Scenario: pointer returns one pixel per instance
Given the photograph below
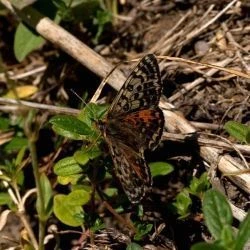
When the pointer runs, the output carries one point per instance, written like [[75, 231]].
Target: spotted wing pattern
[[141, 90], [135, 123], [131, 169]]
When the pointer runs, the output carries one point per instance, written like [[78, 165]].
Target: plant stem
[[31, 133], [41, 212]]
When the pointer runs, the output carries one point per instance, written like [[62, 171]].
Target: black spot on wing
[[142, 88]]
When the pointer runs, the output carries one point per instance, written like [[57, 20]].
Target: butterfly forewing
[[149, 126], [141, 90]]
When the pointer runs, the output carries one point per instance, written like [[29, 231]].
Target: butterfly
[[134, 123]]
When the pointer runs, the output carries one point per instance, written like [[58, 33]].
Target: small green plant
[[92, 13], [218, 218], [80, 170], [197, 188], [239, 131], [14, 159], [86, 169]]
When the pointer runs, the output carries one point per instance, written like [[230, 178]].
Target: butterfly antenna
[[104, 81], [80, 98], [102, 84], [93, 143]]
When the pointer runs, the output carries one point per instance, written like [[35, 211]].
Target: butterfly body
[[134, 123]]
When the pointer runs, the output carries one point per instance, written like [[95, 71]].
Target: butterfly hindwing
[[131, 170]]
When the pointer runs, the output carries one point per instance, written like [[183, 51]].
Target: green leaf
[[20, 156], [67, 166], [78, 197], [81, 157], [89, 153], [4, 123], [63, 10], [19, 178], [92, 112], [47, 196], [111, 191], [71, 215], [199, 185], [142, 230], [238, 130], [5, 199], [243, 235], [25, 41], [97, 225], [207, 246], [71, 127], [85, 187], [227, 238], [17, 143], [93, 151], [183, 203], [102, 18], [217, 212], [73, 179], [133, 246], [160, 168]]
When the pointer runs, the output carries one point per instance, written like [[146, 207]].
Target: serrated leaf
[[217, 212], [67, 166], [21, 92], [237, 130], [25, 41], [243, 235], [160, 168], [69, 214], [70, 126]]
